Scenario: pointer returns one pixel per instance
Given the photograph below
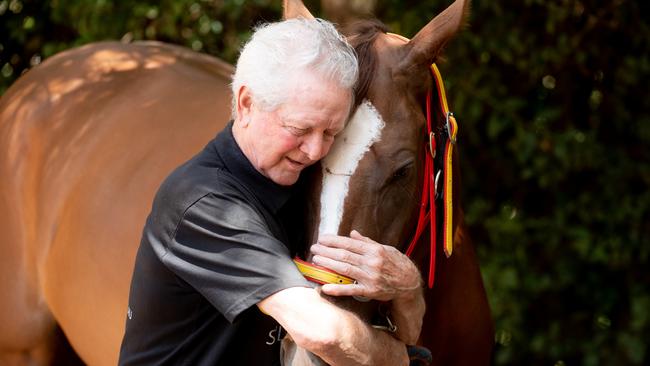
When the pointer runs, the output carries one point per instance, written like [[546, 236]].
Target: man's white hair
[[278, 51]]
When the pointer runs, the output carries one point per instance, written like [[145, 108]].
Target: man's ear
[[295, 9], [244, 106]]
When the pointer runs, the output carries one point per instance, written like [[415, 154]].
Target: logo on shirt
[[276, 335]]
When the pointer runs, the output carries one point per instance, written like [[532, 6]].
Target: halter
[[430, 192], [431, 175], [319, 274], [427, 213]]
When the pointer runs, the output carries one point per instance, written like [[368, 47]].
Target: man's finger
[[358, 236], [341, 255], [353, 245], [343, 290], [342, 268]]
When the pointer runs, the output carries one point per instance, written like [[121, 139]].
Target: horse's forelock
[[362, 35]]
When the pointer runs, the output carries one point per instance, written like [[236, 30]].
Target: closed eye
[[402, 171], [296, 131], [329, 135]]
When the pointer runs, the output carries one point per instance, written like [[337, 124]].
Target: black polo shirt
[[212, 248]]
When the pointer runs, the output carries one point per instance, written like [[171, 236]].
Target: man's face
[[282, 142]]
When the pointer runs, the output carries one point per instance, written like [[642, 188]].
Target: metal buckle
[[436, 184], [390, 327], [451, 137]]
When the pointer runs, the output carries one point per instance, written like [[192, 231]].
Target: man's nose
[[313, 147]]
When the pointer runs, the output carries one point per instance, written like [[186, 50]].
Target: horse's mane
[[361, 36]]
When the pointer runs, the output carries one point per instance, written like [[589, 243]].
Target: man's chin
[[286, 179]]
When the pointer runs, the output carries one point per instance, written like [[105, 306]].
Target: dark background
[[552, 99]]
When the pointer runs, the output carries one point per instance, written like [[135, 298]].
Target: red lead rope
[[428, 200]]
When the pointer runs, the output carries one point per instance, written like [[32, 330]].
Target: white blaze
[[363, 130]]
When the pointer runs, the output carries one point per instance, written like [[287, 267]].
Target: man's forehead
[[333, 124]]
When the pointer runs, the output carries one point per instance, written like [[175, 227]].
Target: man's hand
[[336, 335], [382, 272]]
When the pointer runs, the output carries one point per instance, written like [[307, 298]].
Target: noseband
[[446, 137]]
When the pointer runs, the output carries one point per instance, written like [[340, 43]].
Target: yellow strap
[[320, 274], [452, 130], [441, 89], [448, 206]]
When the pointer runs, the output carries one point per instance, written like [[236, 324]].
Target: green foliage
[[556, 170], [553, 107], [33, 30], [554, 119]]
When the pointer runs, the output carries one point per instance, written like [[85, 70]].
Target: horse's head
[[371, 179]]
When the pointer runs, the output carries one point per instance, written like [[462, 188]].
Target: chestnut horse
[[382, 199], [87, 137]]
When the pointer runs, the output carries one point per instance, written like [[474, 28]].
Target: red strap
[[424, 214], [428, 201], [427, 214], [432, 193]]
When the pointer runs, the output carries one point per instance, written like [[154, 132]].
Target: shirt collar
[[271, 194]]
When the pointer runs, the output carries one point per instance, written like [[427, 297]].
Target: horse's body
[[87, 137]]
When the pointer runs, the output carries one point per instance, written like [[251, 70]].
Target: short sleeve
[[226, 251]]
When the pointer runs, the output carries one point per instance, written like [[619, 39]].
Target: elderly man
[[214, 279]]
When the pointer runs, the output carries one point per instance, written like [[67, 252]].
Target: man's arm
[[382, 273], [336, 335], [407, 312]]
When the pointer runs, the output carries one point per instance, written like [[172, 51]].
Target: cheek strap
[[427, 215]]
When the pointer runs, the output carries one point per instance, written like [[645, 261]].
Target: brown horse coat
[[86, 139]]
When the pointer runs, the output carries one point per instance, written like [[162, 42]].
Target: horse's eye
[[402, 171]]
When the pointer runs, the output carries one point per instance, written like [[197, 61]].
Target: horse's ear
[[295, 9], [426, 45]]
